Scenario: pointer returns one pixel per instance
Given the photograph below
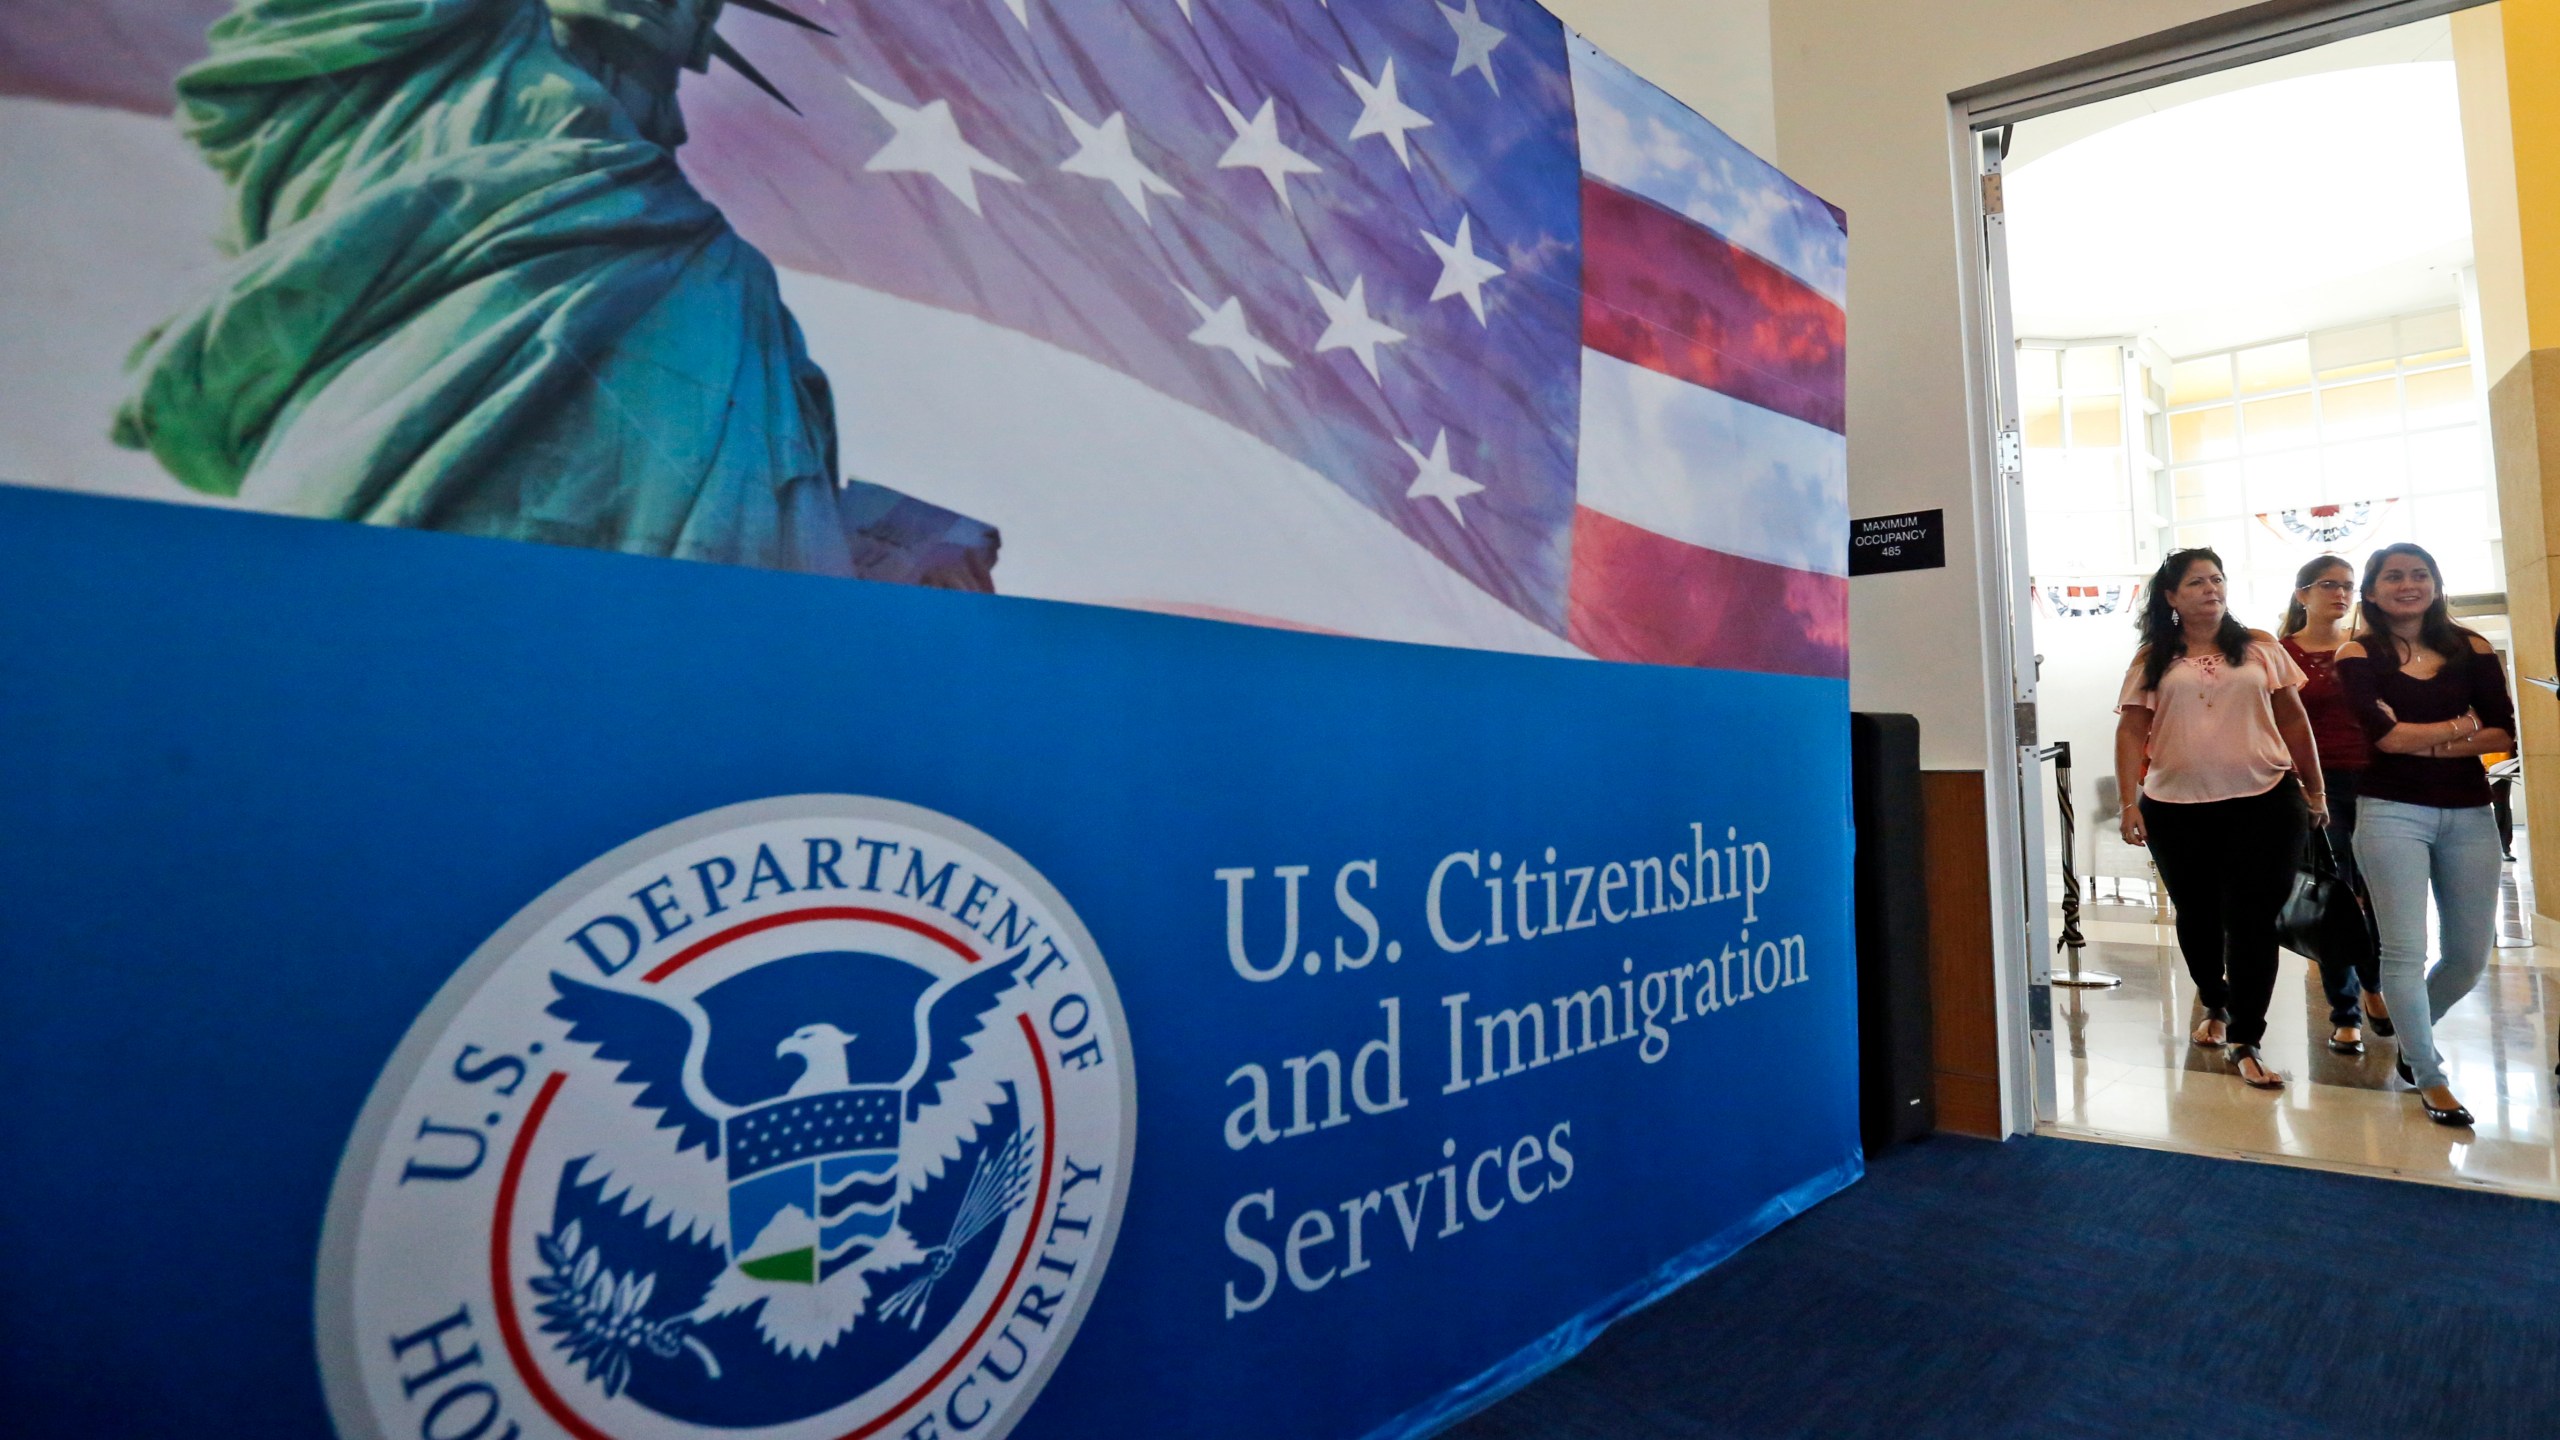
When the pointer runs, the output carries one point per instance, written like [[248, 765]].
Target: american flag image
[[1574, 357]]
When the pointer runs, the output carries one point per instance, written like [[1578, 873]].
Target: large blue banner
[[462, 989]]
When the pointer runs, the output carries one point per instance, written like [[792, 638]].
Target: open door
[[2027, 757]]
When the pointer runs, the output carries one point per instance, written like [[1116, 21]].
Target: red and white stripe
[[1711, 526]]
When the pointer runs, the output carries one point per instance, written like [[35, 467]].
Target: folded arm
[[2481, 731]]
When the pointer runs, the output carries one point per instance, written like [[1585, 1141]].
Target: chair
[[2110, 804]]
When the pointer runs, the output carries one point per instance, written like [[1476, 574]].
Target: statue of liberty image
[[471, 290]]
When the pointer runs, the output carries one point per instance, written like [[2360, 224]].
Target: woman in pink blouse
[[2211, 719]]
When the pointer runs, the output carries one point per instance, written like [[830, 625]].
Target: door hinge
[[2025, 720], [2013, 453], [1991, 196], [2040, 1007]]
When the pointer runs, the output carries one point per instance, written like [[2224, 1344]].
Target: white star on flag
[[927, 142], [1258, 147], [1462, 270], [1476, 40], [1433, 479], [1350, 326], [1224, 328], [1103, 153], [1383, 112]]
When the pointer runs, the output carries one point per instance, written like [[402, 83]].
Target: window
[[2074, 406], [2387, 411]]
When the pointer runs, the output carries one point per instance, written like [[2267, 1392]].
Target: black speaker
[[1896, 1100]]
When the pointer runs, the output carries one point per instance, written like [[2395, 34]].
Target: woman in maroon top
[[2432, 697], [2315, 625]]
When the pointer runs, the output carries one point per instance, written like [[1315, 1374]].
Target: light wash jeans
[[2402, 848]]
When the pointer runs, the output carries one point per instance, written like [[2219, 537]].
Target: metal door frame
[[2014, 787]]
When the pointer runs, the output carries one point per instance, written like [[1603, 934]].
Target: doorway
[[2231, 302]]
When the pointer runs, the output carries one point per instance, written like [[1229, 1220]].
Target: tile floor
[[2128, 1074]]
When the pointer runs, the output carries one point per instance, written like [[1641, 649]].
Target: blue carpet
[[2058, 1288]]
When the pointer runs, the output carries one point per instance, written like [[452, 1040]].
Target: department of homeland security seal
[[809, 1117]]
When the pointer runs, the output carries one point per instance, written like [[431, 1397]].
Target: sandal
[[2344, 1047], [2215, 1036], [2245, 1056]]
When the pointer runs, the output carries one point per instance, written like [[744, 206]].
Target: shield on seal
[[813, 1181]]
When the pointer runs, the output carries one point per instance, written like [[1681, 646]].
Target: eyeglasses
[[2334, 587]]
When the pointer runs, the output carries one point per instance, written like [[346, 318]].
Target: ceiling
[[2320, 189]]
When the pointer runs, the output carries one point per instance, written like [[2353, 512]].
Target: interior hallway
[[2127, 1072]]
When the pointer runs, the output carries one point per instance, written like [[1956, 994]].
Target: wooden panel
[[1968, 1105], [1966, 1043]]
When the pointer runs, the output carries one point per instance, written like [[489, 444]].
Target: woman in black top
[[2432, 697]]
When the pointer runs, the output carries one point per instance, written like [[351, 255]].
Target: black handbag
[[2325, 918]]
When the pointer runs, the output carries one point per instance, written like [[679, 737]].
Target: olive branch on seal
[[596, 1312]]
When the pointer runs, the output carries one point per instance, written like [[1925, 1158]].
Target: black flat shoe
[[2402, 1066], [2457, 1117], [2381, 1025], [2344, 1047]]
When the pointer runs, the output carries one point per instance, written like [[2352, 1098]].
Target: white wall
[[2084, 665], [1712, 54], [1861, 88], [2489, 162]]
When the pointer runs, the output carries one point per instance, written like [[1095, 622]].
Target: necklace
[[2209, 672]]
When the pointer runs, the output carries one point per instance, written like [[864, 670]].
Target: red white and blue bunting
[[2089, 597], [2328, 527]]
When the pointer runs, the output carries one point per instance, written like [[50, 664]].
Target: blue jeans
[[2402, 849]]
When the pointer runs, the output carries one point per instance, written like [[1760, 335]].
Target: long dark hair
[[2164, 639], [2436, 629], [2295, 617]]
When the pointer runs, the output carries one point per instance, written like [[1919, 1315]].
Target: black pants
[[2228, 865], [2347, 985]]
